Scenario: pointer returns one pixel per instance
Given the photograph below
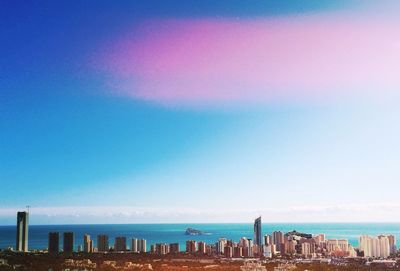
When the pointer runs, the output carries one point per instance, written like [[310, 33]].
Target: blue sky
[[80, 151]]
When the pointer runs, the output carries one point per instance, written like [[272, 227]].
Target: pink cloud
[[207, 60]]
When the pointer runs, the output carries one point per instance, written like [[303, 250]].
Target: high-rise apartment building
[[202, 248], [238, 252], [174, 248], [392, 244], [142, 246], [228, 252], [102, 243], [68, 244], [191, 246], [134, 245], [222, 242], [161, 249], [87, 244], [54, 242], [278, 239], [22, 231], [120, 243], [376, 247], [267, 240], [306, 249]]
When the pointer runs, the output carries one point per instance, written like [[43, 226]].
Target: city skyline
[[274, 244], [163, 113]]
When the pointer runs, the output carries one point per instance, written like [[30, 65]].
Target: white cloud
[[383, 212]]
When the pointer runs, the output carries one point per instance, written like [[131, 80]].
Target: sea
[[175, 233]]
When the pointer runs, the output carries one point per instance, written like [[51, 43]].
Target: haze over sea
[[172, 233]]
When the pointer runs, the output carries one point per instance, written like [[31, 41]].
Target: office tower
[[120, 243], [258, 232], [102, 243], [278, 239], [191, 246], [68, 245], [174, 248], [87, 244], [22, 231], [134, 245], [202, 248], [54, 242]]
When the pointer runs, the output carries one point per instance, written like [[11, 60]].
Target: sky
[[199, 111]]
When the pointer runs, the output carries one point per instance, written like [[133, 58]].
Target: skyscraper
[[87, 244], [392, 243], [202, 248], [278, 239], [142, 246], [68, 245], [258, 232], [102, 243], [120, 243], [22, 231], [191, 246], [174, 248], [54, 242], [134, 245]]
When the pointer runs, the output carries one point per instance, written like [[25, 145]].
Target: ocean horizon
[[175, 232]]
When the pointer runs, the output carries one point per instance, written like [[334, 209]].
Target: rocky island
[[191, 231]]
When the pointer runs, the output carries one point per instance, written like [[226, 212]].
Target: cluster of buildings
[[381, 246], [120, 244], [276, 244]]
